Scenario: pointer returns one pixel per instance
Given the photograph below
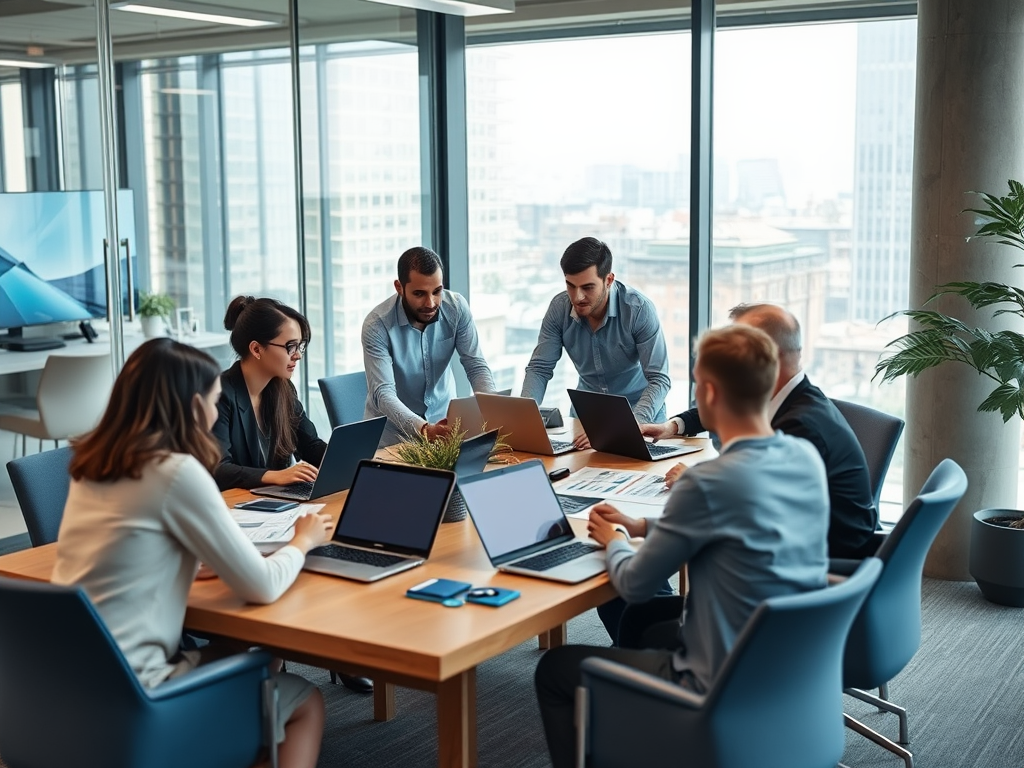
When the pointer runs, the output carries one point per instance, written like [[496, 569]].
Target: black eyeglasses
[[291, 347]]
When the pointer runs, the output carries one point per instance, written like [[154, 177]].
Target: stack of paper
[[270, 531]]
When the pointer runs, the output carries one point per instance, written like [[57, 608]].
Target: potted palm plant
[[442, 453], [154, 309], [997, 535]]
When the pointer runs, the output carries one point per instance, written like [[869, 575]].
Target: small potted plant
[[442, 453], [154, 309], [997, 535]]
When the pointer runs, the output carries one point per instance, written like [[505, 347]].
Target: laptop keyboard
[[561, 445], [661, 450], [571, 504], [300, 491], [360, 556], [548, 560]]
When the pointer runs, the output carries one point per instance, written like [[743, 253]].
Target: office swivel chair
[[776, 702], [41, 482], [72, 395], [887, 631], [69, 698], [345, 397], [877, 433]]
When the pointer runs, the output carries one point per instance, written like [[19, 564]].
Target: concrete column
[[968, 135]]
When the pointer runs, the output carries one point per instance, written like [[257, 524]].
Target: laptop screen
[[395, 506], [514, 507]]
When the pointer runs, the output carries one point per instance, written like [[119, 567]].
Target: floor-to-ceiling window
[[568, 139]]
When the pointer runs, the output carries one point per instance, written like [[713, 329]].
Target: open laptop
[[348, 444], [466, 410], [520, 418], [523, 528], [474, 453], [388, 524], [611, 426]]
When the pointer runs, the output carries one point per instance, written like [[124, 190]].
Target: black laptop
[[611, 427], [349, 443]]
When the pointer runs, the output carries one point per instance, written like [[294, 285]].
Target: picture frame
[[185, 325]]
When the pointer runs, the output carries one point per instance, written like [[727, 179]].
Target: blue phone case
[[438, 590], [503, 596]]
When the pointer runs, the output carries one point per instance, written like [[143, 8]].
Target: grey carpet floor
[[964, 690]]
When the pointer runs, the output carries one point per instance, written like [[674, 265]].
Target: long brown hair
[[260, 320], [150, 414]]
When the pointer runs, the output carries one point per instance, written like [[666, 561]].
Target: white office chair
[[72, 395]]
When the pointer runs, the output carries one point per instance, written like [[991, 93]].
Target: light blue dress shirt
[[750, 525], [625, 356], [408, 373]]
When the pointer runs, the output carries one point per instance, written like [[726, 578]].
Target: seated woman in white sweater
[[143, 510]]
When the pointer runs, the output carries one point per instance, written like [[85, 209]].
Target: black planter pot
[[456, 510], [997, 557]]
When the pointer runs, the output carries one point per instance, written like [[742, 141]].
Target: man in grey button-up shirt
[[408, 344], [611, 332]]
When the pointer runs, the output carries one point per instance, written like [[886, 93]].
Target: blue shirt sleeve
[[546, 354]]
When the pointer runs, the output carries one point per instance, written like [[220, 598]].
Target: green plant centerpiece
[[997, 543], [154, 308], [442, 453]]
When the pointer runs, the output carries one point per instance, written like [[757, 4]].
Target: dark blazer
[[807, 413], [241, 465]]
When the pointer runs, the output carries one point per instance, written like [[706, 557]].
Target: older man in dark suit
[[801, 409]]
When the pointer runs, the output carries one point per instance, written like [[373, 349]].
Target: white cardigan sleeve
[[196, 515]]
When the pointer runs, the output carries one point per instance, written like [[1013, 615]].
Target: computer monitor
[[52, 257]]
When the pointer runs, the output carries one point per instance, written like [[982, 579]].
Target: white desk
[[24, 362]]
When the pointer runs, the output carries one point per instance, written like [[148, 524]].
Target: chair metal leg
[[582, 717], [883, 691], [883, 706], [880, 740]]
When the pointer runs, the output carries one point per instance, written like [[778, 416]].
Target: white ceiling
[[66, 29]]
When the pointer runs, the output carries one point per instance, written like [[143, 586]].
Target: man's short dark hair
[[419, 259], [586, 253]]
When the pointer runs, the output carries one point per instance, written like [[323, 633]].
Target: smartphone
[[444, 591], [267, 505]]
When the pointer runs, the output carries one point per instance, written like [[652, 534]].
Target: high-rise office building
[[883, 160]]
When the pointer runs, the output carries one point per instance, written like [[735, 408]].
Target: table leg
[[553, 638], [383, 701], [456, 721]]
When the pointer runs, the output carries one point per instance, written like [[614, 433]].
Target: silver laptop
[[348, 444], [388, 524], [523, 528], [466, 410], [520, 418], [611, 427]]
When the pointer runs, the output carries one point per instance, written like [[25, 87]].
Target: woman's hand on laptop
[[311, 531], [607, 523], [581, 442], [300, 472]]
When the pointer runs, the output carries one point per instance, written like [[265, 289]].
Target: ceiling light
[[456, 7], [27, 63], [196, 12]]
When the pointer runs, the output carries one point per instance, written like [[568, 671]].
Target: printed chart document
[[270, 531], [616, 486]]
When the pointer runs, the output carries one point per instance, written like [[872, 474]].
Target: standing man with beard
[[611, 332], [408, 344]]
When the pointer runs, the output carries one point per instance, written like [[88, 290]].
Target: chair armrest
[[641, 682], [209, 674]]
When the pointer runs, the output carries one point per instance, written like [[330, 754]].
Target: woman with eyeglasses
[[264, 433]]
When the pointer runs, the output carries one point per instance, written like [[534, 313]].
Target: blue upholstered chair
[[41, 483], [887, 631], [776, 703], [69, 698], [877, 433], [345, 397]]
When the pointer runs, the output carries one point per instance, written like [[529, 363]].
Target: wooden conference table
[[373, 630]]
